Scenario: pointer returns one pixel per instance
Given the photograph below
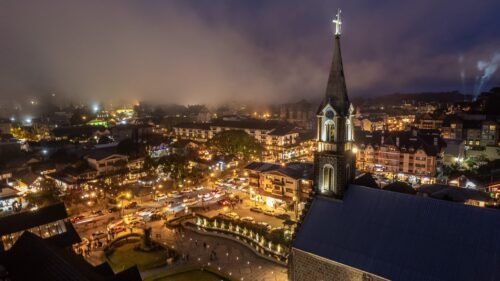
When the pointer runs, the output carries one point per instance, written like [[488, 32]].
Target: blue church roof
[[404, 237]]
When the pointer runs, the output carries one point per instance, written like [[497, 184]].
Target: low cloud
[[194, 52]]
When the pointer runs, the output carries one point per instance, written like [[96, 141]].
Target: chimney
[[397, 141], [382, 140]]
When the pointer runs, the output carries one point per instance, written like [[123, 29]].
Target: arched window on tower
[[348, 126], [329, 131], [328, 178]]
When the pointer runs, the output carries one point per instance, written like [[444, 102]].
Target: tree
[[48, 194], [236, 142], [176, 166]]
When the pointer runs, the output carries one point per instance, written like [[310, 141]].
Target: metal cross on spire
[[337, 22]]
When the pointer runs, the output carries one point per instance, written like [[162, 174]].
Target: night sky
[[217, 51]]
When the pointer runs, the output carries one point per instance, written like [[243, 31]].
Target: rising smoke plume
[[487, 68]]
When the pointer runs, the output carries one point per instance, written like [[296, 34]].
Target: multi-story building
[[479, 133], [276, 136], [428, 122], [452, 128], [489, 133], [277, 185], [106, 162], [408, 155]]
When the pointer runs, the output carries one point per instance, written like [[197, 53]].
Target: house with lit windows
[[415, 156], [280, 185]]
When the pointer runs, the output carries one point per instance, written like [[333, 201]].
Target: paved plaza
[[195, 249]]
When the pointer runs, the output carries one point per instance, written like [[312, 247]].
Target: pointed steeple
[[336, 90]]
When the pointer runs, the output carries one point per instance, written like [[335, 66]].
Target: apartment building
[[276, 136], [280, 186], [414, 155]]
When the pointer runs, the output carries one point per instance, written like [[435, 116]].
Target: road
[[265, 270]]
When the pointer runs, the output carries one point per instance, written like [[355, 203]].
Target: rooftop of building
[[262, 166], [403, 237], [452, 193], [48, 261], [28, 219], [102, 153], [408, 141], [7, 192], [295, 170]]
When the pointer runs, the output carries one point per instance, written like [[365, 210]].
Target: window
[[349, 130], [328, 178], [329, 131]]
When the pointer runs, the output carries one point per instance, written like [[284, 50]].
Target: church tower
[[334, 161]]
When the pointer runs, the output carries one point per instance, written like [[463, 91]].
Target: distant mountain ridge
[[453, 96]]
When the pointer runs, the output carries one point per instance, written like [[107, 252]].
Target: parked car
[[247, 219], [283, 216], [256, 209], [218, 194], [113, 209], [269, 212], [186, 190], [230, 215], [131, 205], [161, 196], [175, 194], [146, 212]]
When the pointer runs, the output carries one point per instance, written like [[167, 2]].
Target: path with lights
[[231, 257]]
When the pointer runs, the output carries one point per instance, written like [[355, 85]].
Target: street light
[[122, 197]]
